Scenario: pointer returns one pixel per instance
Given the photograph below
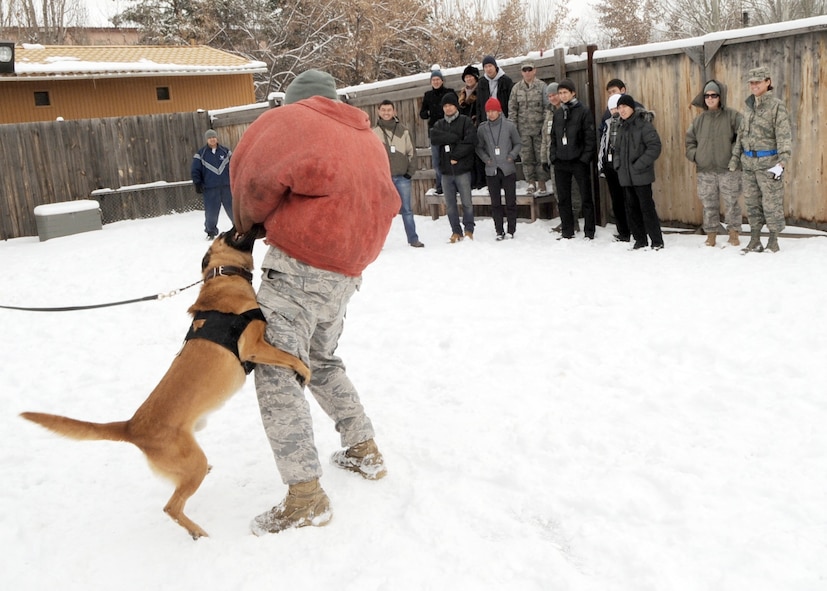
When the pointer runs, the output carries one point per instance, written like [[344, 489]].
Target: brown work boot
[[733, 237], [363, 458], [772, 243], [455, 237], [469, 235], [305, 504], [710, 238]]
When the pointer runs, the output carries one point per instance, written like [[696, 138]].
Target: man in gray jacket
[[709, 142], [498, 145]]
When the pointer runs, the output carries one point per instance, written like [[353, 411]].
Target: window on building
[[41, 99], [162, 92]]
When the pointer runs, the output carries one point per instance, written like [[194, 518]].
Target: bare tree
[[759, 12], [43, 21], [630, 22], [690, 18]]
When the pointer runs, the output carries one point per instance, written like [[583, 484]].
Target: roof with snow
[[38, 62]]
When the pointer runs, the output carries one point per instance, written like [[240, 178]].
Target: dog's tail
[[82, 430]]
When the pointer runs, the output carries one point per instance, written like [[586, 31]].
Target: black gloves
[[199, 189], [407, 176]]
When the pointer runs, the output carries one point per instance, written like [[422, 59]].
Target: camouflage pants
[[764, 198], [714, 187], [530, 157], [305, 311]]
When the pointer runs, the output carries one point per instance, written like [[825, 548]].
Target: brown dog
[[202, 376]]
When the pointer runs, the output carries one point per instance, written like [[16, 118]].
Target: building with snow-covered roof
[[85, 82]]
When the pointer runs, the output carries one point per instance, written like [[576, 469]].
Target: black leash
[[159, 296]]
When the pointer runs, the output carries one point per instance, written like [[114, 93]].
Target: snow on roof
[[38, 62], [678, 45]]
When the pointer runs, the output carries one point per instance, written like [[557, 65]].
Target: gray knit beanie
[[712, 87], [209, 133], [311, 83]]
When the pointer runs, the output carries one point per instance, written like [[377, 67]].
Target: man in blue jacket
[[211, 176]]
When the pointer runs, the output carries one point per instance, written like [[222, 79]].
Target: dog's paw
[[303, 374]]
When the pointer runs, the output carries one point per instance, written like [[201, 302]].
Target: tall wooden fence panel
[[49, 162], [666, 77], [57, 161]]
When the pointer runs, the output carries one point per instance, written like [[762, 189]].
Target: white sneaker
[[509, 236], [531, 188]]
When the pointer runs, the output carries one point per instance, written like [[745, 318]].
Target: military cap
[[758, 74]]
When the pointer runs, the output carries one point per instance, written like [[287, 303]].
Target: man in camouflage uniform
[[763, 148], [325, 220], [526, 108]]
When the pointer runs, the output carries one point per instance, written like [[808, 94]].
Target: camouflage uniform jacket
[[547, 125], [526, 107], [765, 127]]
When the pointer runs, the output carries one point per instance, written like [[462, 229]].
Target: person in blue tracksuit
[[211, 176]]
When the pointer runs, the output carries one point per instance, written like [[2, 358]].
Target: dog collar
[[226, 271]]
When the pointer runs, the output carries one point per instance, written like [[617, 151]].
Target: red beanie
[[493, 104]]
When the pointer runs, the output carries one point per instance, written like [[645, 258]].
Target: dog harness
[[225, 330]]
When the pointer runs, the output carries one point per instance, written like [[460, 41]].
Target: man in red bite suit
[[326, 214]]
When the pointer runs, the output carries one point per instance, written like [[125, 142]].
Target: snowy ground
[[555, 415]]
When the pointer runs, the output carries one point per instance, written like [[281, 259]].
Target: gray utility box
[[68, 217]]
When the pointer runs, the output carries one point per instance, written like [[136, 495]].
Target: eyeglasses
[[709, 96], [528, 69]]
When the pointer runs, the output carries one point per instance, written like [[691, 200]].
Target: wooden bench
[[480, 197]]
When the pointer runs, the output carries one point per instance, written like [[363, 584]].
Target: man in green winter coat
[[763, 147], [709, 142]]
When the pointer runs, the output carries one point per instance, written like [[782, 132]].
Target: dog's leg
[[185, 464], [253, 347]]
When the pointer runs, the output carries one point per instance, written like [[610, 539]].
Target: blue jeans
[[213, 200], [453, 184], [435, 164], [403, 187]]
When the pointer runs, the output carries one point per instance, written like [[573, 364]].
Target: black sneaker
[[639, 245], [439, 191], [622, 238]]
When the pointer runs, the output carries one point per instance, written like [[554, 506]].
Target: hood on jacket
[[500, 73], [699, 101]]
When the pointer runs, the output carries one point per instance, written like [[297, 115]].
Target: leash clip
[[169, 294]]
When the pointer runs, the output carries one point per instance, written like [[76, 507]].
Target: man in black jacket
[[571, 149], [494, 83], [432, 111], [455, 138]]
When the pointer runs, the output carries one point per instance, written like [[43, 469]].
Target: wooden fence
[[50, 162], [666, 77], [59, 161]]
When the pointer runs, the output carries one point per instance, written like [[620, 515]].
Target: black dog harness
[[225, 330]]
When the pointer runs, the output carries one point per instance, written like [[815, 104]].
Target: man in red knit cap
[[326, 217]]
